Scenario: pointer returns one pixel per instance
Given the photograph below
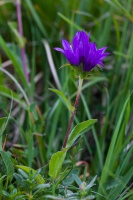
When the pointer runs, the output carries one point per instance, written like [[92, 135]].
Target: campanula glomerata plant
[[78, 145], [84, 56]]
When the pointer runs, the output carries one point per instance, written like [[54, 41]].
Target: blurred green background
[[45, 23]]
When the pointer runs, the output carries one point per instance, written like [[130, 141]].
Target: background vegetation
[[34, 120]]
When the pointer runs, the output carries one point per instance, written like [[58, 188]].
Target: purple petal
[[102, 57], [92, 47], [80, 42], [72, 57], [66, 45], [103, 49], [75, 41], [59, 49], [100, 63], [83, 44]]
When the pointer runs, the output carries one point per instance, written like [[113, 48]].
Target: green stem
[[73, 113]]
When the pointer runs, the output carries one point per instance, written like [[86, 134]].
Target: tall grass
[[38, 119]]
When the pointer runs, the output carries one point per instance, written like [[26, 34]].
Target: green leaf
[[53, 197], [42, 186], [90, 185], [112, 150], [30, 148], [70, 178], [6, 194], [72, 23], [39, 179], [77, 179], [55, 163], [124, 181], [8, 164], [12, 95], [79, 130], [63, 98], [2, 127], [17, 84], [36, 17], [19, 39], [15, 63]]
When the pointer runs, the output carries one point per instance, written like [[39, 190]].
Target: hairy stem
[[20, 30], [73, 113]]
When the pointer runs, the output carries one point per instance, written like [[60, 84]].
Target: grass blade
[[107, 166]]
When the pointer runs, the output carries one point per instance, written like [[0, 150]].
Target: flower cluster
[[82, 52]]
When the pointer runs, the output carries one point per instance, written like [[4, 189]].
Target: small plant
[[83, 57], [78, 144]]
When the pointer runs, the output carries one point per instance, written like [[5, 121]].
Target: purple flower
[[82, 52]]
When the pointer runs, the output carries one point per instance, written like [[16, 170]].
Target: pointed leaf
[[55, 163], [91, 183], [39, 179], [79, 130], [77, 179], [63, 98], [8, 164], [2, 127]]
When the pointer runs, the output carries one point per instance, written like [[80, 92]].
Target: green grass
[[34, 127]]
